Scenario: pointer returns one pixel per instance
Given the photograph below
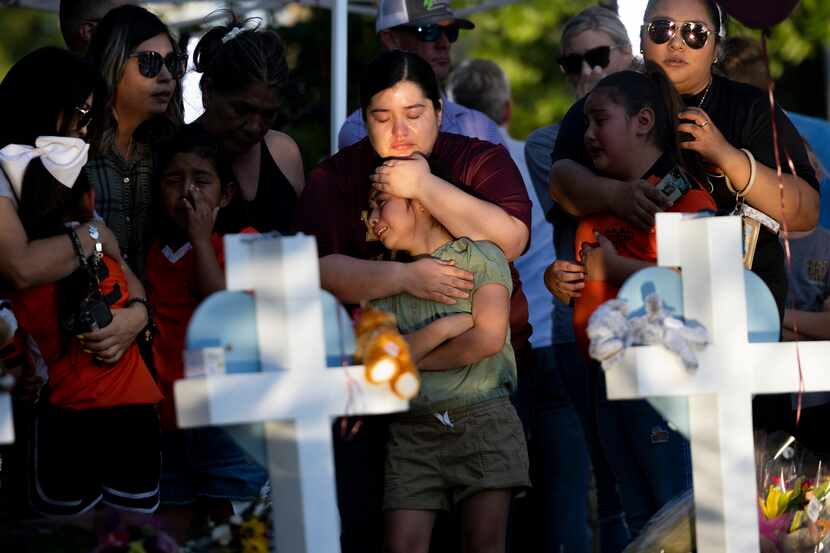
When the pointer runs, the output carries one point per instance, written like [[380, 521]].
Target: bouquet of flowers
[[794, 497], [248, 532]]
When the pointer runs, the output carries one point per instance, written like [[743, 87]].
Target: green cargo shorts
[[436, 461]]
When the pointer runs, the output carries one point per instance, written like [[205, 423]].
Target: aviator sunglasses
[[431, 33], [151, 62], [694, 34], [595, 57]]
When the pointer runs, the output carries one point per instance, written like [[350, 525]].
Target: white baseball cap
[[394, 13]]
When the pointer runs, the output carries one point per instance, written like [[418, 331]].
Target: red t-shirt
[[76, 379], [335, 202], [629, 241], [174, 295]]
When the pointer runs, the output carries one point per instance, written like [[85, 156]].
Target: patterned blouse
[[124, 199]]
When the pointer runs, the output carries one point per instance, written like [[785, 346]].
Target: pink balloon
[[759, 15]]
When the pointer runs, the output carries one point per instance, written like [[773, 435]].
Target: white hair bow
[[62, 156]]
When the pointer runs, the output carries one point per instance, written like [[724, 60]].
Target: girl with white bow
[[48, 92], [96, 430]]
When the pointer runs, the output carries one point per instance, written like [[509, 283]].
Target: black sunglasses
[[595, 57], [431, 33], [151, 62], [694, 34], [84, 116]]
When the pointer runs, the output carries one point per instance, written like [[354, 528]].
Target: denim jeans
[[554, 516], [580, 385], [651, 462]]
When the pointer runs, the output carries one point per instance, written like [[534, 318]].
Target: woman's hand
[[565, 279], [708, 140], [637, 201], [597, 258], [437, 280], [111, 342], [401, 177]]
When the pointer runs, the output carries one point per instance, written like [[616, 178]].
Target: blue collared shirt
[[457, 119]]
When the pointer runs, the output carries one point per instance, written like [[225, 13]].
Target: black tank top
[[271, 209]]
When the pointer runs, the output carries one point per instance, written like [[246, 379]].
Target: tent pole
[[339, 50]]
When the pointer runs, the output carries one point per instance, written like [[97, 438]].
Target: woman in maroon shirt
[[471, 187]]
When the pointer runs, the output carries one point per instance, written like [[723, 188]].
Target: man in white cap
[[426, 28]]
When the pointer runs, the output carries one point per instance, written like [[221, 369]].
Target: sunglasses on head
[[595, 57], [84, 115], [431, 33], [151, 62], [694, 34]]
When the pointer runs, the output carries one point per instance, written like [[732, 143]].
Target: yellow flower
[[253, 528], [256, 545], [777, 501]]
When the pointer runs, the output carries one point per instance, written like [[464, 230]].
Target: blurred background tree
[[523, 38]]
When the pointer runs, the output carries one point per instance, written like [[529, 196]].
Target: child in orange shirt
[[185, 266], [96, 433], [631, 135]]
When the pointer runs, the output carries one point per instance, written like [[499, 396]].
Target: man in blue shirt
[[427, 29]]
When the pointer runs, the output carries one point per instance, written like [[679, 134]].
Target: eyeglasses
[[84, 116], [595, 57], [151, 62], [694, 34], [431, 33]]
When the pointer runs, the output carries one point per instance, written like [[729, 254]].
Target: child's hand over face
[[597, 258], [200, 216]]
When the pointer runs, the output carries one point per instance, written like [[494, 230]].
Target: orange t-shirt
[[76, 379], [630, 242], [174, 295]]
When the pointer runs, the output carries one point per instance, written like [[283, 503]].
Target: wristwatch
[[96, 237]]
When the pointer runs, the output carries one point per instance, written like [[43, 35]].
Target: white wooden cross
[[295, 395], [731, 370]]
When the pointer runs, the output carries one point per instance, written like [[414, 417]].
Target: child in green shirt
[[462, 443]]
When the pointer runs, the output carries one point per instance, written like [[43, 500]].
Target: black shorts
[[80, 458]]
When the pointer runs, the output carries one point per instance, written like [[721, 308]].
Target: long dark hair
[[252, 56], [392, 67], [653, 89], [115, 38], [44, 85], [46, 204]]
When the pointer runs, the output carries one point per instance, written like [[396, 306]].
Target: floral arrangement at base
[[794, 502], [249, 532]]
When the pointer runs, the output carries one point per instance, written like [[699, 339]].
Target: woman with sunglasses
[[139, 104], [727, 124], [242, 70]]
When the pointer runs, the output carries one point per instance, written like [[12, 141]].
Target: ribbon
[[62, 156], [784, 226]]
